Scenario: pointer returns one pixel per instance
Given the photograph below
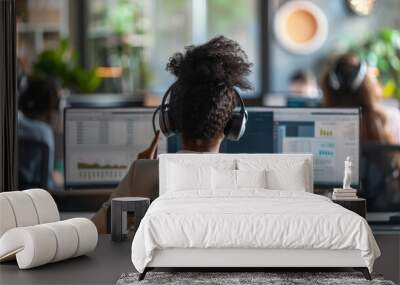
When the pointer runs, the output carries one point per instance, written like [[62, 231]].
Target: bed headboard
[[285, 162]]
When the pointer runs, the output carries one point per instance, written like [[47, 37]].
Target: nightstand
[[357, 205]]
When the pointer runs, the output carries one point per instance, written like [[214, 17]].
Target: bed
[[246, 211]]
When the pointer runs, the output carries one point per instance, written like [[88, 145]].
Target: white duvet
[[250, 219]]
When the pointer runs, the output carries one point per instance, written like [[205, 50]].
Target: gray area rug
[[273, 278]]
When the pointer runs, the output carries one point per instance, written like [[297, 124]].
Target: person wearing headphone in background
[[38, 102], [351, 83], [199, 106]]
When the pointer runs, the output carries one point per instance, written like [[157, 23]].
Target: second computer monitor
[[101, 144], [329, 134]]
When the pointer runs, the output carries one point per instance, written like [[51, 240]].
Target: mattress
[[250, 219]]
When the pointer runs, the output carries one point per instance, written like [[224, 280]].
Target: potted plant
[[61, 64], [382, 50], [126, 46]]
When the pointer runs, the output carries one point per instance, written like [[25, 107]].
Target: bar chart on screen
[[98, 170], [99, 167]]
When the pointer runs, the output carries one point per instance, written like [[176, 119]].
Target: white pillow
[[188, 177], [224, 179], [293, 180], [281, 174], [251, 178]]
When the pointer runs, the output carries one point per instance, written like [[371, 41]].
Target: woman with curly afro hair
[[202, 101], [202, 98]]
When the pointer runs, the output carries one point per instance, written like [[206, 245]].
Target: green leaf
[[397, 93], [383, 65], [60, 63], [387, 34], [121, 17], [382, 50]]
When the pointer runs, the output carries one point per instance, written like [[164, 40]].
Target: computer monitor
[[101, 143], [329, 134], [257, 138], [302, 102], [103, 101]]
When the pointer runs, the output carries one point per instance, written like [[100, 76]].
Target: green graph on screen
[[85, 165]]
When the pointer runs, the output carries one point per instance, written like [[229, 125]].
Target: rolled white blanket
[[7, 218], [31, 230], [40, 244], [45, 206], [26, 208], [67, 240], [87, 235], [24, 211]]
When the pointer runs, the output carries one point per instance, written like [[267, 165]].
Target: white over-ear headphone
[[337, 80]]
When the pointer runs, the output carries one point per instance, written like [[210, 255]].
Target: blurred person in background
[[351, 83], [304, 84], [38, 104]]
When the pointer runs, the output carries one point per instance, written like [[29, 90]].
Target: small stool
[[120, 208]]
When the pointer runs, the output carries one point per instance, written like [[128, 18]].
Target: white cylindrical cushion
[[67, 240], [23, 208], [33, 246], [45, 206], [37, 245], [87, 234], [7, 218]]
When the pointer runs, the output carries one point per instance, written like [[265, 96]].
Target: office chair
[[33, 164], [380, 177]]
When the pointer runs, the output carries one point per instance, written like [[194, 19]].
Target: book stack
[[344, 194]]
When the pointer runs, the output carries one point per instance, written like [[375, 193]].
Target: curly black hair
[[202, 98]]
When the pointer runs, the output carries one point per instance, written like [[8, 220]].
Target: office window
[[136, 38], [171, 25], [41, 24], [238, 20]]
